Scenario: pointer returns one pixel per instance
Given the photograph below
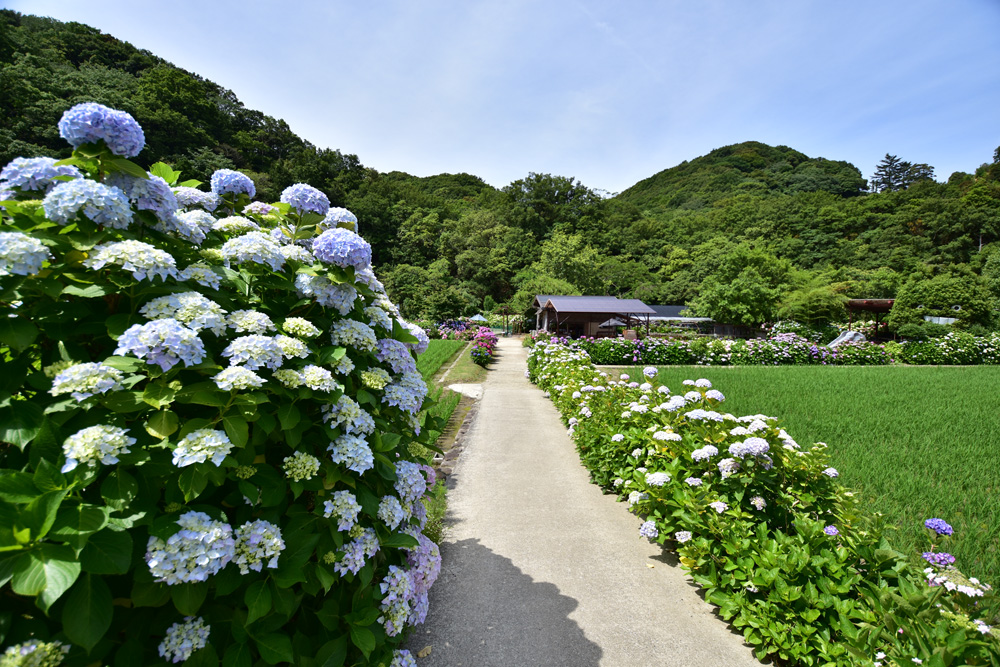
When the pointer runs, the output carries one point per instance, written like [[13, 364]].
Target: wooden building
[[578, 316]]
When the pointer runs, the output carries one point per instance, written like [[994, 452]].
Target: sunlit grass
[[437, 353], [916, 442]]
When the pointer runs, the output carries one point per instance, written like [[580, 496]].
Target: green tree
[[745, 289]]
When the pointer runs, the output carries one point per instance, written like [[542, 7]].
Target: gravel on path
[[540, 568]]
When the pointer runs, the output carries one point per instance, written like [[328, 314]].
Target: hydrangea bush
[[484, 344], [763, 525], [196, 463]]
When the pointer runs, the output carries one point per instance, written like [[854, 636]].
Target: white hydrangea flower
[[250, 321], [288, 377], [189, 308], [202, 445], [257, 542], [351, 333], [291, 348], [318, 378], [21, 255], [235, 225], [300, 466], [256, 247], [142, 259], [183, 639], [201, 274], [85, 380], [198, 550], [96, 443], [297, 326], [254, 351], [238, 377]]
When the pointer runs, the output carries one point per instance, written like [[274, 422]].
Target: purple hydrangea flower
[[162, 342], [34, 174], [89, 122], [100, 203], [343, 248], [258, 208], [941, 559], [831, 530], [939, 526], [649, 530], [306, 199], [148, 194], [340, 217], [229, 182]]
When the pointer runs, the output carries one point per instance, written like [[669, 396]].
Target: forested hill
[[761, 227]]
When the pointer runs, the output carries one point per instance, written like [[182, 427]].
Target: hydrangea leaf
[[188, 598], [17, 332], [107, 552], [275, 648], [258, 600], [87, 614]]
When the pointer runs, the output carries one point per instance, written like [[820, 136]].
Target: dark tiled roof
[[593, 304]]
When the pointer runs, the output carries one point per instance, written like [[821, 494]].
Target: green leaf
[[238, 655], [188, 598], [399, 541], [18, 488], [288, 415], [20, 422], [149, 594], [363, 639], [124, 364], [107, 552], [40, 513], [128, 167], [89, 292], [275, 648], [118, 489], [76, 520], [192, 481], [163, 424], [333, 653], [158, 395], [87, 614], [124, 402], [258, 600], [17, 332], [237, 429], [164, 171], [47, 571]]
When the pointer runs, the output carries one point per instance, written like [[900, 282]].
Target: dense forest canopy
[[782, 233]]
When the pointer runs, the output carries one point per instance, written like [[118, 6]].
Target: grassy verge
[[438, 353], [918, 442], [466, 371]]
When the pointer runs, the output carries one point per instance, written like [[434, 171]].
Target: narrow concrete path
[[540, 568]]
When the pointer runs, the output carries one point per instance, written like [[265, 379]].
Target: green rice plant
[[914, 442], [438, 352]]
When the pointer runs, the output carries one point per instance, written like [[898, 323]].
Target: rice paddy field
[[916, 442], [437, 352]]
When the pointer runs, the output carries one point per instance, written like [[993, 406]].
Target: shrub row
[[765, 528], [484, 345], [206, 412]]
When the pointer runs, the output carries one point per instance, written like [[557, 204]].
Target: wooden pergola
[[877, 307], [583, 315]]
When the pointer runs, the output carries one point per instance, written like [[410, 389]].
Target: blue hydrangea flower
[[340, 217], [391, 512], [305, 199], [940, 558], [397, 355], [21, 255], [649, 530], [201, 445], [254, 351], [423, 340], [254, 247], [353, 452], [201, 274], [142, 259], [344, 248], [407, 393], [402, 658], [148, 194], [96, 443], [35, 174], [939, 526], [257, 542], [344, 507], [183, 639], [104, 205], [356, 552], [258, 208], [398, 590], [410, 483], [162, 342], [831, 531], [195, 198], [85, 380], [229, 182], [192, 226], [198, 550], [327, 294], [89, 122]]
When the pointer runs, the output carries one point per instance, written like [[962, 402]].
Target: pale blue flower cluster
[[298, 326], [34, 174], [34, 653], [235, 225], [229, 182], [425, 566], [90, 122], [351, 333], [411, 485], [831, 531], [407, 392], [96, 443], [719, 506], [683, 536], [344, 507], [291, 348], [305, 199], [831, 472], [254, 351], [257, 542], [750, 447], [759, 503], [402, 658], [353, 452], [183, 639], [649, 530], [201, 274], [204, 444], [343, 248], [693, 481], [397, 587], [657, 478], [317, 378], [191, 309], [256, 247], [21, 255], [423, 340], [704, 453], [326, 293], [667, 436], [195, 198], [192, 226], [300, 466], [99, 203], [391, 512], [238, 377], [357, 551], [377, 317], [85, 380], [142, 259], [342, 366], [258, 208], [198, 550], [148, 194], [650, 372], [728, 467], [367, 278], [295, 253], [396, 354], [340, 217], [162, 342], [348, 414], [250, 321]]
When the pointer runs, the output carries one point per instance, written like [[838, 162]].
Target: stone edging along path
[[541, 568]]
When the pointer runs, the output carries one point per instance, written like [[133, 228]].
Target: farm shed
[[582, 315]]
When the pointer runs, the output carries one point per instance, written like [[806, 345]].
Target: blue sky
[[609, 93]]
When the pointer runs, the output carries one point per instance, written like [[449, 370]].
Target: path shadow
[[485, 612]]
